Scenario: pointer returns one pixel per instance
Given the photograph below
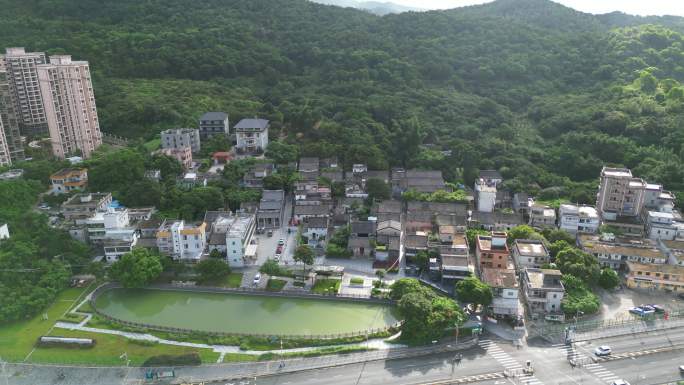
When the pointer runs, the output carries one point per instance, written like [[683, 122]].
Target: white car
[[281, 241], [620, 382], [602, 351], [257, 278]]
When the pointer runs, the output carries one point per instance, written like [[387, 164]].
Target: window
[[555, 295]]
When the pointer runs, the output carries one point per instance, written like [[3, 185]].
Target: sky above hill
[[633, 7]]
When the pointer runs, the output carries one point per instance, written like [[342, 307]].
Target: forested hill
[[544, 93]]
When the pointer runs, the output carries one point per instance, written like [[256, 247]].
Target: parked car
[[257, 278], [279, 249], [269, 233], [602, 351], [44, 206], [281, 241], [641, 311]]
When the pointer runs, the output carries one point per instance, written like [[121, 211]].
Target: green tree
[[472, 290], [471, 236], [523, 232], [116, 170], [137, 268], [557, 246], [377, 189], [216, 254], [271, 267], [609, 279], [579, 264], [556, 235], [304, 254], [212, 270], [403, 286], [282, 153]]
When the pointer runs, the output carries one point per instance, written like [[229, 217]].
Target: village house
[[418, 221], [530, 253], [362, 238], [415, 243], [254, 177], [543, 291], [178, 138], [303, 212], [417, 180], [615, 252], [316, 231], [578, 219], [251, 135], [4, 231], [387, 230], [496, 221], [68, 180], [388, 210], [270, 211], [522, 203], [542, 217], [231, 234], [655, 277], [181, 241], [182, 154], [485, 195], [214, 123], [674, 251], [82, 206], [154, 175], [221, 157], [492, 251], [504, 284]]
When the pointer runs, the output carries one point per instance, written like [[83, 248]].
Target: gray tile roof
[[252, 123], [362, 227], [214, 115]]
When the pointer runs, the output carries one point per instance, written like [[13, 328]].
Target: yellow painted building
[[657, 277]]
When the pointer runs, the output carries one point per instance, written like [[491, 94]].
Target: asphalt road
[[658, 368], [479, 364]]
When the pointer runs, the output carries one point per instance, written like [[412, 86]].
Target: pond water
[[242, 313]]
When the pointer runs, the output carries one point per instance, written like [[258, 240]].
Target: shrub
[[357, 281], [190, 359]]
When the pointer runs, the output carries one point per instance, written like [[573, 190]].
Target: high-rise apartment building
[[11, 149], [620, 194], [22, 74], [69, 106]]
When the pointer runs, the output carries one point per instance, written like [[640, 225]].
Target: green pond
[[241, 313]]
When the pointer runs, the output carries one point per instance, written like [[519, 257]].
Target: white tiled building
[[181, 240], [252, 135], [578, 219]]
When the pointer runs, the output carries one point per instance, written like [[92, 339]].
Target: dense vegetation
[[37, 261], [543, 93]]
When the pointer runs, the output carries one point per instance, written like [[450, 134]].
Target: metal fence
[[630, 323], [281, 293], [139, 325]]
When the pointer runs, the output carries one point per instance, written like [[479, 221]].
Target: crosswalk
[[508, 362], [594, 368]]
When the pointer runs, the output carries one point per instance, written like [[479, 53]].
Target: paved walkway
[[374, 344]]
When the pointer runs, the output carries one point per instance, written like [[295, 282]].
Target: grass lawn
[[275, 284], [107, 350], [356, 281], [153, 144], [17, 339], [233, 280], [326, 286]]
